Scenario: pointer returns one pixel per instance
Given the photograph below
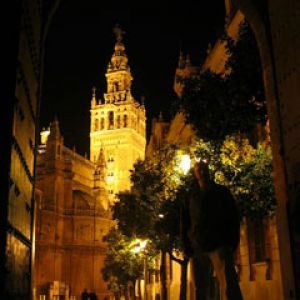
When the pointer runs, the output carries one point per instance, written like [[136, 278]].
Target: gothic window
[[110, 87], [125, 120], [96, 125], [111, 120], [116, 86], [102, 124], [118, 122], [257, 240]]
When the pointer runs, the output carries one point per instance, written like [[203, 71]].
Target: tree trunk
[[127, 292], [117, 295], [183, 279], [163, 277], [139, 289], [133, 290]]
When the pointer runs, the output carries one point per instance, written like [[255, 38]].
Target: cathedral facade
[[74, 193]]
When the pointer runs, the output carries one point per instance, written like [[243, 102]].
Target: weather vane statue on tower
[[118, 33]]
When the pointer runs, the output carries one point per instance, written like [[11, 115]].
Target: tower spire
[[93, 101], [119, 58], [118, 73], [118, 33]]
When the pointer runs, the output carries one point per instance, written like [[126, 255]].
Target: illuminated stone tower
[[118, 125]]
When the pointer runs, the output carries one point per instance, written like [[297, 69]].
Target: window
[[102, 124], [116, 86], [96, 125], [125, 120], [118, 122], [110, 120]]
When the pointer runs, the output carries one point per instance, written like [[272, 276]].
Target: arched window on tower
[[96, 125], [118, 121], [116, 86], [125, 120], [111, 120], [102, 124]]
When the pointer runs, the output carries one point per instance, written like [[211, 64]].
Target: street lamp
[[185, 163], [138, 246]]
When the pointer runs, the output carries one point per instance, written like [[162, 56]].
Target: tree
[[218, 105], [253, 186], [156, 206], [224, 110], [245, 170], [122, 267]]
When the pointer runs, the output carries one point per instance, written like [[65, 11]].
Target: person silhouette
[[93, 296], [214, 232], [84, 295]]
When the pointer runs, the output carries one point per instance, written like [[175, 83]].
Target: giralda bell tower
[[118, 124]]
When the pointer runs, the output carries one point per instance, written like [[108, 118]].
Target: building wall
[[276, 27], [17, 143], [285, 24], [72, 217], [260, 280]]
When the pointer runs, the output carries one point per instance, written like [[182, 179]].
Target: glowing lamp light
[[185, 163], [139, 245]]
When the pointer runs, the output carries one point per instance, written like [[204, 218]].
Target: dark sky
[[80, 44]]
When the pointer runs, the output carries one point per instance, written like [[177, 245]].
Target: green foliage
[[152, 209], [121, 265], [245, 72], [253, 186], [220, 105], [245, 170], [222, 108], [153, 201]]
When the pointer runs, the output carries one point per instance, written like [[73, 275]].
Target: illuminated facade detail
[[184, 70], [72, 216], [118, 126]]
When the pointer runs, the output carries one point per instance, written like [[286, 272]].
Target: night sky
[[80, 43]]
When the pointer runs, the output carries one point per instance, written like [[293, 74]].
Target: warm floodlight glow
[[110, 178], [44, 136], [185, 163], [139, 245]]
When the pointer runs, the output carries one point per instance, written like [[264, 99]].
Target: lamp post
[[139, 247]]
